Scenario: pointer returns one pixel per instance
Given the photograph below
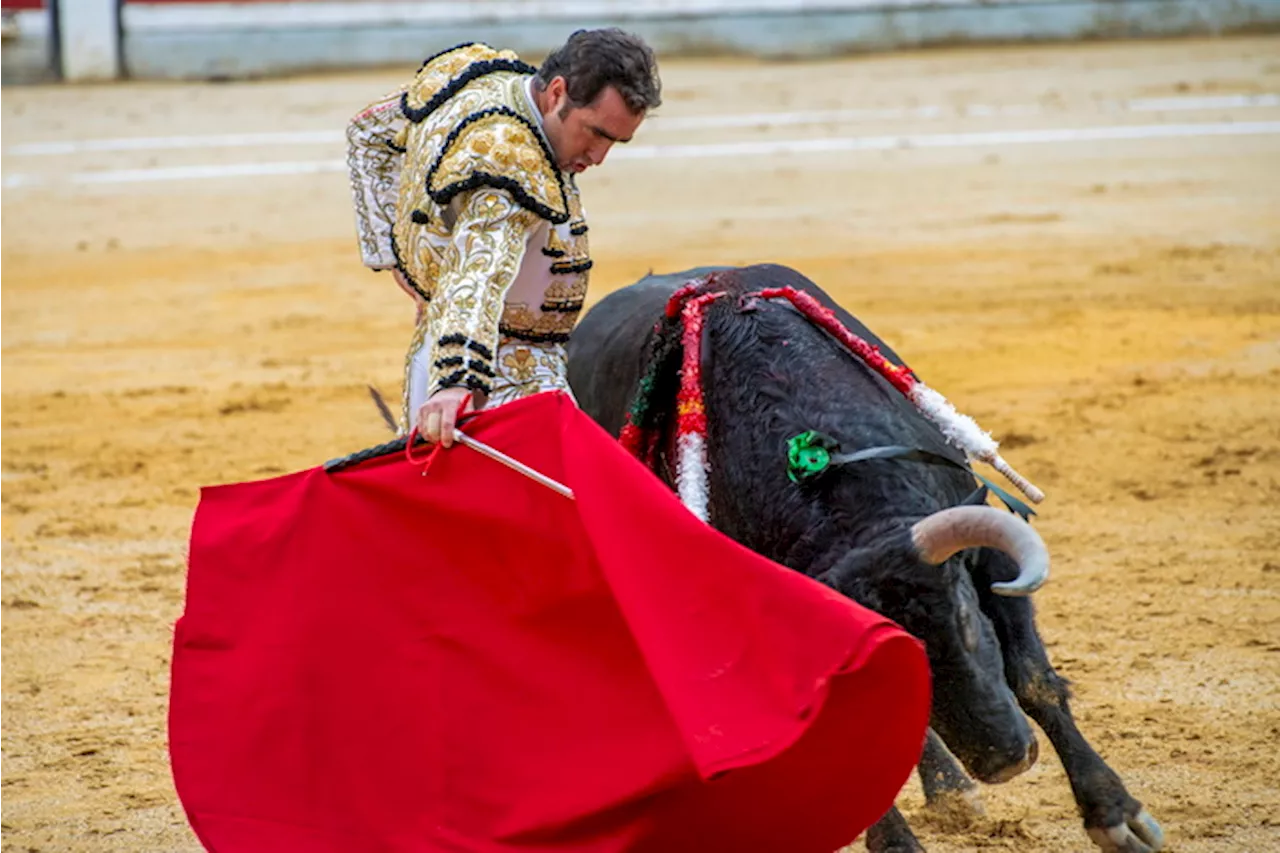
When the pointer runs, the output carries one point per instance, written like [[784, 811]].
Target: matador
[[464, 186]]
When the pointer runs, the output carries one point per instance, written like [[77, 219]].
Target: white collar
[[537, 116], [533, 102]]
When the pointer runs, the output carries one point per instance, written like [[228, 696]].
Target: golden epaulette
[[498, 147], [443, 75]]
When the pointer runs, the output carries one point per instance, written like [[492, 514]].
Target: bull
[[914, 542]]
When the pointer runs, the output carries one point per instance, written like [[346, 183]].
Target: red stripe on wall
[[237, 2], [21, 5]]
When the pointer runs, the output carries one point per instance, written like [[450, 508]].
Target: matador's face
[[582, 136]]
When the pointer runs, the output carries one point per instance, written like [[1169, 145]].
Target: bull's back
[[609, 345], [607, 349]]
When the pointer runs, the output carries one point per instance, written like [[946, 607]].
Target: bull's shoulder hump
[[673, 280]]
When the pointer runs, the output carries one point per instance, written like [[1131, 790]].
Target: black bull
[[769, 374]]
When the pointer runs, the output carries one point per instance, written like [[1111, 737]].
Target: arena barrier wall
[[29, 53], [206, 39]]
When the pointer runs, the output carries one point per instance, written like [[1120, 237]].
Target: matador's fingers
[[448, 418], [430, 424]]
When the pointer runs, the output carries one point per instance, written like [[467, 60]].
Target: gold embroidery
[[444, 69], [528, 368], [521, 320], [423, 245], [521, 364], [575, 206], [467, 251], [556, 247], [375, 175], [493, 149], [567, 291], [516, 315], [488, 243]]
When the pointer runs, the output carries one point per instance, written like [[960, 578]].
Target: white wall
[[99, 40], [233, 39], [89, 37], [28, 55]]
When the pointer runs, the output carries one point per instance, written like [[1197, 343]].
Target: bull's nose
[[1028, 760]]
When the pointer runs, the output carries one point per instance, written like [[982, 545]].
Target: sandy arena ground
[[1110, 309]]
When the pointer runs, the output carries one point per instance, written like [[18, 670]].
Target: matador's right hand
[[438, 416]]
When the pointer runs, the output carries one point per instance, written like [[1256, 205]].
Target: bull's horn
[[945, 533]]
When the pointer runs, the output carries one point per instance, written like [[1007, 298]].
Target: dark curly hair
[[593, 59]]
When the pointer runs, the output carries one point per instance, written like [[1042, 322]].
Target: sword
[[514, 464], [398, 445]]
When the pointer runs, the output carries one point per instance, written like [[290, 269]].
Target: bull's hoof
[[956, 809], [1139, 834], [897, 845], [890, 834], [905, 847]]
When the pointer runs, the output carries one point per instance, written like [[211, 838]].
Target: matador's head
[[594, 92]]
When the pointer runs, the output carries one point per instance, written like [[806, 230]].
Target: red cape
[[377, 660]]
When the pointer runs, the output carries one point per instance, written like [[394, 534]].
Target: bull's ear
[[977, 498], [884, 576]]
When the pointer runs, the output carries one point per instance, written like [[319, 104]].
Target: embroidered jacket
[[455, 184]]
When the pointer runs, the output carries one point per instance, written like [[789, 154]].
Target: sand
[[1109, 309]]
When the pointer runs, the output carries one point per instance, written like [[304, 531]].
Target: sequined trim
[[528, 368], [399, 264], [489, 242], [497, 147], [555, 247], [463, 341], [374, 162], [566, 307], [448, 50], [463, 378], [445, 74], [464, 221], [473, 365], [534, 337], [566, 267]]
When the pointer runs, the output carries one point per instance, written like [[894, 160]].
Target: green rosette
[[808, 455]]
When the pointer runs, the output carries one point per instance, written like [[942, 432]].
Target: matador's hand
[[438, 416]]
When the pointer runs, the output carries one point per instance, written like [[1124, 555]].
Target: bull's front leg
[[943, 781], [946, 785], [890, 834], [1115, 821]]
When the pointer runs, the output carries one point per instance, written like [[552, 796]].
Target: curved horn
[[943, 534]]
